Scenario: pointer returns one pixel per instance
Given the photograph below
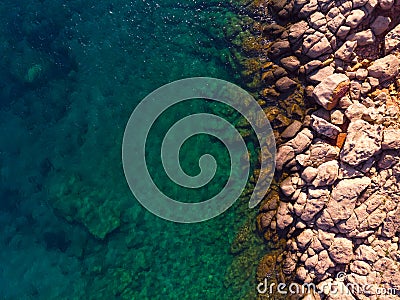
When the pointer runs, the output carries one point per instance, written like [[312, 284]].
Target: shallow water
[[71, 74]]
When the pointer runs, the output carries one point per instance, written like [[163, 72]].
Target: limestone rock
[[326, 238], [304, 238], [309, 174], [375, 219], [302, 140], [319, 153], [380, 25], [355, 18], [366, 253], [324, 263], [330, 90], [346, 52], [327, 174], [344, 196], [290, 184], [292, 129], [364, 38], [335, 22], [392, 223], [337, 117], [341, 250], [392, 40], [314, 45], [284, 154], [316, 201], [355, 111], [385, 68], [362, 142], [279, 48], [324, 127], [265, 219], [287, 186], [356, 89], [297, 30], [320, 74], [284, 217], [345, 102], [361, 74], [317, 20], [391, 139], [308, 9], [343, 31]]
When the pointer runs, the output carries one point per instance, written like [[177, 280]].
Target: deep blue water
[[71, 72]]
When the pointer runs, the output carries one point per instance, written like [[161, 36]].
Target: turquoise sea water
[[71, 74]]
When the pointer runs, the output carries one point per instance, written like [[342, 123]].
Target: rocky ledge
[[339, 168]]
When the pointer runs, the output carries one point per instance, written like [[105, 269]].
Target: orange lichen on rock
[[341, 139]]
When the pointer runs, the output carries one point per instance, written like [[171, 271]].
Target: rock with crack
[[327, 173], [330, 90], [319, 152], [324, 263], [296, 31], [298, 144], [362, 142], [343, 200], [316, 200], [385, 68], [284, 216], [341, 250], [291, 184], [304, 238], [324, 127], [346, 52], [315, 45]]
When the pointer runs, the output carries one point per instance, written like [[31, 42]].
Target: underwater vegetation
[[71, 74]]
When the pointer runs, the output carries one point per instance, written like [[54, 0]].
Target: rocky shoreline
[[338, 165]]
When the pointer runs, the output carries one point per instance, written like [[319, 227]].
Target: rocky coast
[[328, 76]]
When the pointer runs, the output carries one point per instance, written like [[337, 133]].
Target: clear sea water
[[71, 72]]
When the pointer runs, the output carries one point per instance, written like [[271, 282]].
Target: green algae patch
[[33, 73]]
